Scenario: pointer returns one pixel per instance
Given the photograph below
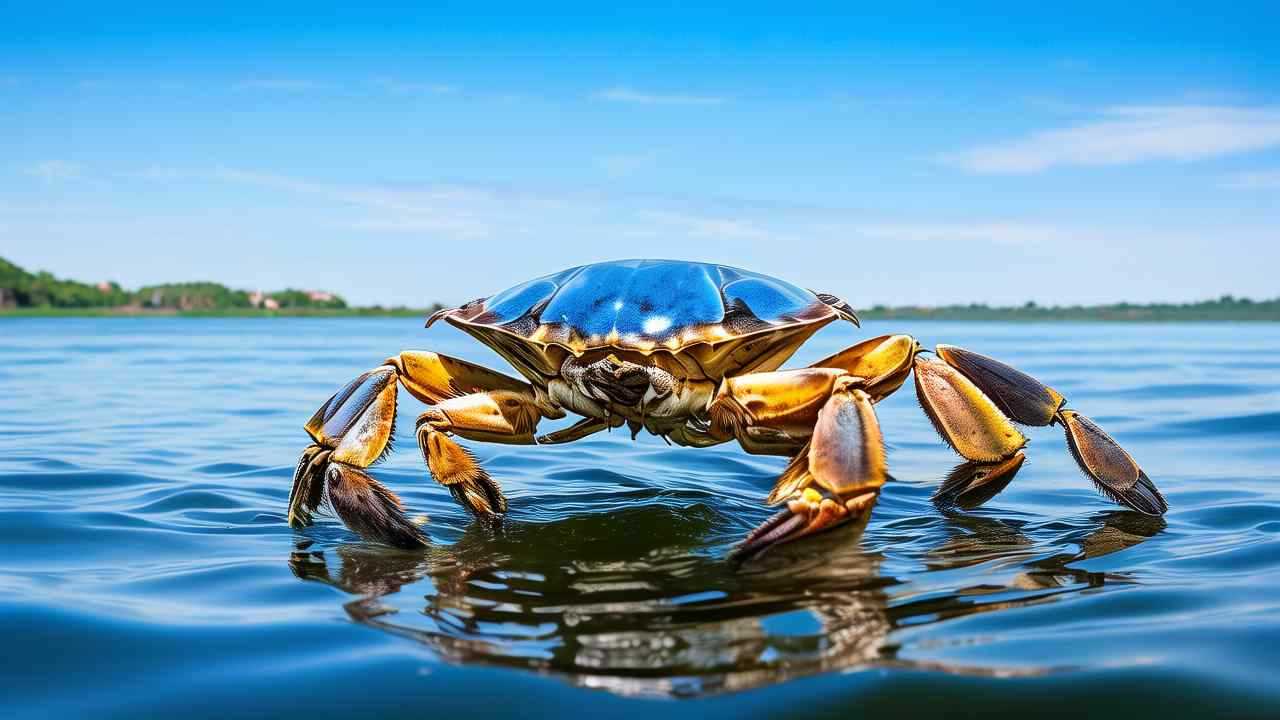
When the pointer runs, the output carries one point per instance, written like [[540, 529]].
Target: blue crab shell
[[644, 306]]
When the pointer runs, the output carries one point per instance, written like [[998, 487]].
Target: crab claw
[[844, 459], [1021, 397], [811, 512], [1112, 470], [350, 432]]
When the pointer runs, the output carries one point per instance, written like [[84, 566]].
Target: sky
[[914, 154]]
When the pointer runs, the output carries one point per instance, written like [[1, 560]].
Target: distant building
[[320, 296], [104, 286], [256, 297], [270, 304]]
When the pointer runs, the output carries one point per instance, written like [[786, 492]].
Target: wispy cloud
[[636, 97], [626, 164], [52, 171], [288, 85], [1254, 180], [474, 211], [709, 227], [402, 87], [1131, 134], [996, 232], [456, 211], [158, 173]]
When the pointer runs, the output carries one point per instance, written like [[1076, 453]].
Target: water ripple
[[144, 524]]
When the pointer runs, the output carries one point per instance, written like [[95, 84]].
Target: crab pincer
[[350, 432], [972, 400], [834, 479]]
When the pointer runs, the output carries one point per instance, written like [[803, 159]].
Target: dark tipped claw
[[1145, 497], [1112, 470], [769, 533], [809, 513], [481, 496], [308, 486]]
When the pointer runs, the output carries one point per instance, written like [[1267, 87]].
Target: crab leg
[[972, 398], [502, 416], [836, 477], [476, 403], [350, 432], [885, 361], [354, 429]]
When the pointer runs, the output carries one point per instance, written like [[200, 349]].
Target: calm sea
[[146, 569]]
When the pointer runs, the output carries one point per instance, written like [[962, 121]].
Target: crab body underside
[[690, 352]]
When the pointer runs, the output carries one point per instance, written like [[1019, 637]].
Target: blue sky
[[925, 154]]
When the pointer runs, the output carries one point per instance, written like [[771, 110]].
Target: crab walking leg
[[350, 432], [971, 399], [354, 429], [834, 478], [501, 416], [473, 402]]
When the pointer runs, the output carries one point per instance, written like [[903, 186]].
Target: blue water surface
[[146, 569]]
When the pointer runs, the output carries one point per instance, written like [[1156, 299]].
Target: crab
[[689, 352]]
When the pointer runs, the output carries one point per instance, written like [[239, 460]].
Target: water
[[146, 568]]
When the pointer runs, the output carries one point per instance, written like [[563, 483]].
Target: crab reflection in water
[[645, 614]]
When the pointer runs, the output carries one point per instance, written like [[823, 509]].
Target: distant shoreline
[[135, 312], [26, 294], [1173, 314]]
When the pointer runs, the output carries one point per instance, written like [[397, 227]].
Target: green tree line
[[20, 288]]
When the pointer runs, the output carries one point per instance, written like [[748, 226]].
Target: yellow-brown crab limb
[[773, 413], [972, 399], [502, 416], [836, 476], [350, 432], [884, 361], [783, 404], [354, 429], [432, 377], [974, 427]]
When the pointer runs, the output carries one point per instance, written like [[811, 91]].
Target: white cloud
[[51, 171], [1131, 134], [401, 87], [468, 212], [159, 173], [1254, 180], [456, 211], [637, 97], [997, 232], [287, 85], [624, 165], [709, 227]]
